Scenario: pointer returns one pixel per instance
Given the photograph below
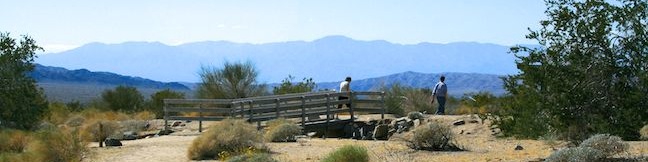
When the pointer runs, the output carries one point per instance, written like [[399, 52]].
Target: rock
[[112, 142], [518, 147], [348, 131], [164, 132], [385, 121], [459, 122], [176, 123], [129, 135], [473, 121], [381, 132], [415, 115], [417, 123]]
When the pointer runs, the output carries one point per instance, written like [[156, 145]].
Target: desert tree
[[234, 80], [589, 74], [123, 98], [22, 103]]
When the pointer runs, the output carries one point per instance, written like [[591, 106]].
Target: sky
[[65, 24]]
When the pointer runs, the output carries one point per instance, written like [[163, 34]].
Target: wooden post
[[250, 111], [328, 112], [303, 111], [166, 117], [242, 112], [200, 118], [277, 107], [351, 96], [382, 102]]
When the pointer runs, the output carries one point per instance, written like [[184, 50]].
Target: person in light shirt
[[440, 92], [345, 87]]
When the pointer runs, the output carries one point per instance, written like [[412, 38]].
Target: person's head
[[442, 78], [348, 79]]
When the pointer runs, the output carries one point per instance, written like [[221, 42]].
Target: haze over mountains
[[327, 59], [65, 85]]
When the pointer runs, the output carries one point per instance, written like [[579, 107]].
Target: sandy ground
[[477, 138]]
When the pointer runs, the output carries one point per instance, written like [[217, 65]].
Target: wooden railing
[[307, 106]]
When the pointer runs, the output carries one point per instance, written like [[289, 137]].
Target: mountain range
[[82, 85], [327, 59]]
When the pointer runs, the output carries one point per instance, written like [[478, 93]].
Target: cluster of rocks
[[381, 129]]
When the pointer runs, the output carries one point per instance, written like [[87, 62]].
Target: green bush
[[608, 145], [256, 157], [576, 154], [433, 137], [229, 136], [644, 133], [123, 98], [287, 86], [234, 80], [281, 130], [348, 153]]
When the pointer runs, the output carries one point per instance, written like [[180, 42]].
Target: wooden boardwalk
[[306, 108]]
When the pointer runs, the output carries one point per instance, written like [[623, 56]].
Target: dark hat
[[347, 78]]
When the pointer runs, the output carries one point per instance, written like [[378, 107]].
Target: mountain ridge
[[324, 59]]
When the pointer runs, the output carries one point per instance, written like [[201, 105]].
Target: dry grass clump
[[281, 130], [45, 145], [348, 153], [644, 133], [576, 154], [607, 144], [595, 148], [144, 115], [256, 157], [433, 137], [228, 137]]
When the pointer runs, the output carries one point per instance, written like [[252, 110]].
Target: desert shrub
[[576, 154], [228, 136], [394, 97], [415, 115], [144, 115], [256, 157], [644, 133], [288, 86], [156, 104], [283, 133], [75, 121], [281, 130], [13, 141], [234, 80], [434, 137], [99, 130], [418, 100], [607, 144], [133, 125], [57, 113], [348, 153], [59, 145], [44, 145], [114, 116]]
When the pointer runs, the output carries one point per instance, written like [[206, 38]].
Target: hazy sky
[[63, 24]]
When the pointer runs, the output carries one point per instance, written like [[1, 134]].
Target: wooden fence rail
[[306, 106]]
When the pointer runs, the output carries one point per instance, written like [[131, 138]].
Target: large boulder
[[381, 132], [112, 142], [129, 135]]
